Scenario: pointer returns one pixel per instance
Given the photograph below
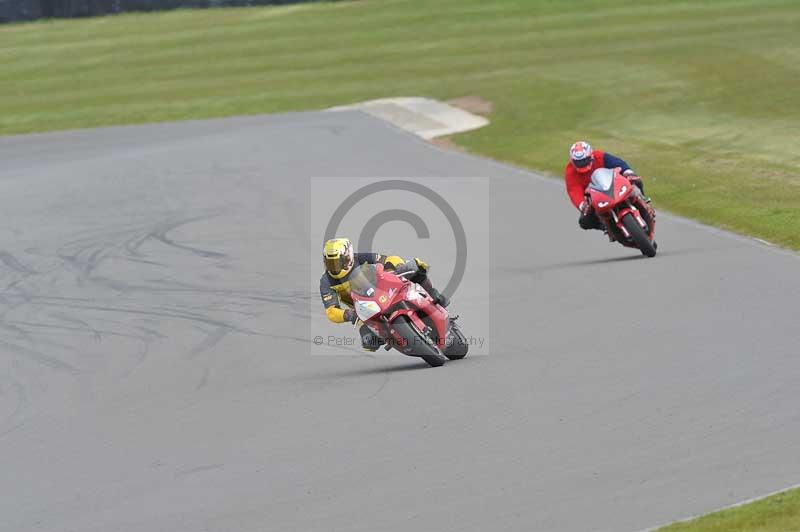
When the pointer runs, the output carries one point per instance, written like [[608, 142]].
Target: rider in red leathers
[[577, 175]]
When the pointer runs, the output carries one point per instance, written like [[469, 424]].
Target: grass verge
[[699, 96], [777, 513]]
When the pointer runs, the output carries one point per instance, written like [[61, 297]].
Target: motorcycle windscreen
[[602, 180], [363, 279]]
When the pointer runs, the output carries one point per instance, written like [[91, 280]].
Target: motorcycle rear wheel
[[417, 345], [638, 235]]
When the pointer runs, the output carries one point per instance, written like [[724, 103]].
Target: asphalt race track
[[156, 375]]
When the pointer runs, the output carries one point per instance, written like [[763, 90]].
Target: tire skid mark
[[39, 357], [203, 379], [151, 333], [87, 326], [132, 245], [161, 234], [212, 339], [33, 299], [183, 288], [225, 306], [15, 328], [156, 312], [87, 253], [144, 261], [10, 387], [140, 357], [20, 396], [96, 334], [12, 263], [25, 335], [199, 469], [43, 323], [14, 296]]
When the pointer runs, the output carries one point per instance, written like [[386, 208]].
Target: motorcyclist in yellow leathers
[[334, 286]]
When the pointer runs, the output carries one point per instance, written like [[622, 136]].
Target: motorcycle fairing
[[608, 188], [396, 297]]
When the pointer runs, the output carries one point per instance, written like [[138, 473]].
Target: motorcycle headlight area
[[366, 309]]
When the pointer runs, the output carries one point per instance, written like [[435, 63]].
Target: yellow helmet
[[338, 257]]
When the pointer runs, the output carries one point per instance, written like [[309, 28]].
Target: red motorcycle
[[628, 218], [404, 316]]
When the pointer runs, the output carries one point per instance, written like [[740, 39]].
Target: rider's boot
[[437, 296], [422, 279]]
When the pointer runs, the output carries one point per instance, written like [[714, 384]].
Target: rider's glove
[[585, 207], [350, 315], [637, 182], [632, 177]]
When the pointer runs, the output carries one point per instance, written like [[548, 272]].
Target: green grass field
[[700, 96], [778, 513]]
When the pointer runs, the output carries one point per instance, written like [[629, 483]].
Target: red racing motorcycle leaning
[[629, 219], [404, 316]]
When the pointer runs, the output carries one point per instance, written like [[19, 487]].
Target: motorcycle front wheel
[[638, 235], [417, 345], [456, 346]]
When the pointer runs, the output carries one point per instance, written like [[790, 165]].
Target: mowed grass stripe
[[278, 56], [159, 36], [281, 65]]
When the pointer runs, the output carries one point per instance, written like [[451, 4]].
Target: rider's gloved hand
[[634, 179], [350, 315], [585, 207]]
